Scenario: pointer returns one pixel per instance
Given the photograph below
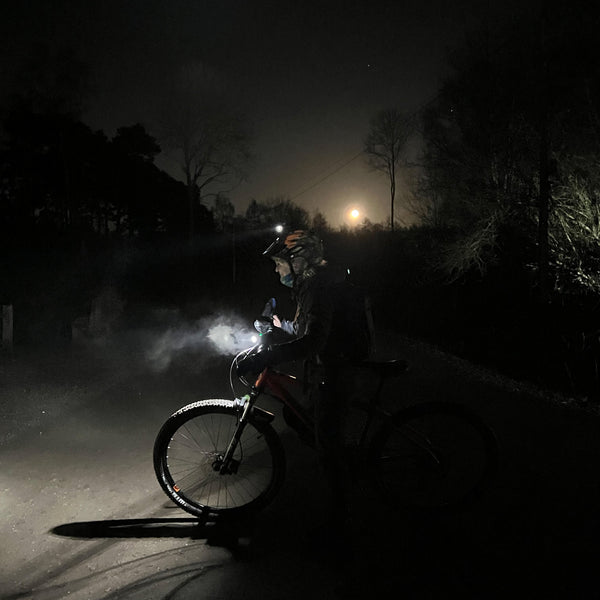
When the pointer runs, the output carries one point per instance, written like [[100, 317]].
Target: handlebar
[[264, 326], [268, 333]]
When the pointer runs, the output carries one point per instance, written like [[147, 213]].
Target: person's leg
[[330, 412]]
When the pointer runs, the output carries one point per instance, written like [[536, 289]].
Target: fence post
[[7, 327]]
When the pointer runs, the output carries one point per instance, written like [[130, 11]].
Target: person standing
[[329, 335]]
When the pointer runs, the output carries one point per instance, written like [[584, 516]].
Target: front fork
[[226, 464]]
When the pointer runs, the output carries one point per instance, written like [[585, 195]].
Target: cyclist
[[326, 337]]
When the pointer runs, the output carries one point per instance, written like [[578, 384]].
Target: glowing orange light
[[355, 213]]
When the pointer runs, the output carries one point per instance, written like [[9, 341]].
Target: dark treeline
[[494, 318], [507, 257], [69, 196]]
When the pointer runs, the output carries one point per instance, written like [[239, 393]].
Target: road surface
[[83, 516]]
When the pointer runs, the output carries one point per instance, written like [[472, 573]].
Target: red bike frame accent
[[274, 382]]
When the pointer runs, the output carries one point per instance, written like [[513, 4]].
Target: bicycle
[[221, 458]]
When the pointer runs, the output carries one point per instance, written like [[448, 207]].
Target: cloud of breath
[[216, 335]]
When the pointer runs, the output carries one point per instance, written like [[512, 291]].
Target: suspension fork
[[228, 464]]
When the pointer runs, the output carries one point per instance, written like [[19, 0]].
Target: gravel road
[[83, 517]]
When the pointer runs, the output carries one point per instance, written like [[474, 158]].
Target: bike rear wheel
[[433, 455], [187, 455]]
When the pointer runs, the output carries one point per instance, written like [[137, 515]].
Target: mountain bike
[[221, 458]]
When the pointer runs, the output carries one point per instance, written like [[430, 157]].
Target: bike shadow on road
[[232, 535]]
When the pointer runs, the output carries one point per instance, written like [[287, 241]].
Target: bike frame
[[272, 383], [275, 384]]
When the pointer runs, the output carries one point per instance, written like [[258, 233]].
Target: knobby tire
[[192, 440]]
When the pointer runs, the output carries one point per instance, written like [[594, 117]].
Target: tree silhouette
[[319, 223], [206, 137], [135, 142], [223, 213], [276, 211], [500, 138], [385, 144]]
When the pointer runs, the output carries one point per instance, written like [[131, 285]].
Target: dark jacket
[[319, 299]]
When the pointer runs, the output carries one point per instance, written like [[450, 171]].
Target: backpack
[[352, 330]]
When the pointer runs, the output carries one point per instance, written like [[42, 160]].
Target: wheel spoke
[[187, 455]]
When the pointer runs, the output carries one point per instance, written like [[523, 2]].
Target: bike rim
[[433, 460], [192, 459]]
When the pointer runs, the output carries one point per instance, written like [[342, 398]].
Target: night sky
[[309, 75]]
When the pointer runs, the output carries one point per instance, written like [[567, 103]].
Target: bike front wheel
[[433, 455], [190, 447]]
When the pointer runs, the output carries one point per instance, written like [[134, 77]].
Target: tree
[[385, 145], [208, 138], [223, 213], [482, 151], [134, 141], [319, 223], [500, 138], [42, 133], [574, 225], [62, 180], [139, 196]]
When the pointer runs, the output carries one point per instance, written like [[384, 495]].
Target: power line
[[319, 181], [410, 115]]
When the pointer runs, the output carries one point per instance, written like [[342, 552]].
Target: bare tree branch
[[385, 146], [206, 135]]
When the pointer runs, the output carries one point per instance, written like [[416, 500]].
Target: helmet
[[297, 244]]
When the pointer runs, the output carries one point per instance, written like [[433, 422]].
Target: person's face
[[282, 268]]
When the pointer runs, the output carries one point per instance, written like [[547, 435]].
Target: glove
[[254, 363]]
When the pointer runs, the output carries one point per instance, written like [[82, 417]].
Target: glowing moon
[[355, 213]]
